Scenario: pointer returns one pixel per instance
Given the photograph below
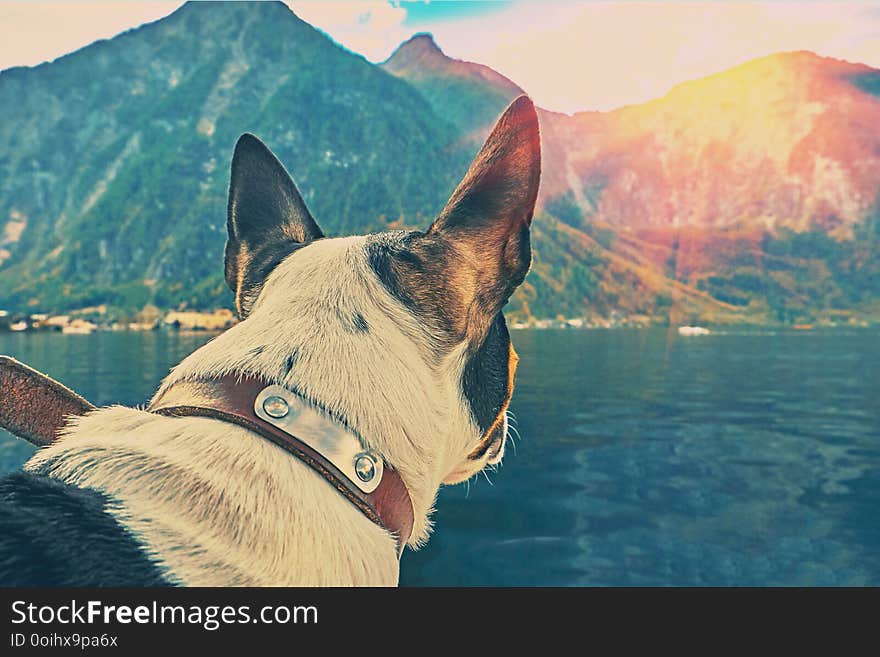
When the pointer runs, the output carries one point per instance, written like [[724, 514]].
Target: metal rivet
[[365, 466], [275, 406]]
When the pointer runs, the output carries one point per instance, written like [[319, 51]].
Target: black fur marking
[[361, 323], [291, 361], [485, 380], [417, 270], [52, 534], [381, 251], [356, 324]]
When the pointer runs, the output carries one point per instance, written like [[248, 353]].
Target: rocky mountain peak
[[419, 47]]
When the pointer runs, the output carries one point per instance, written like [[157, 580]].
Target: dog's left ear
[[266, 220], [488, 216]]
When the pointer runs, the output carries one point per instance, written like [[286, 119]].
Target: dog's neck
[[304, 432], [380, 381]]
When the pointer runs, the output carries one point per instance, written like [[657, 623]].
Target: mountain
[[747, 196], [114, 160], [790, 140], [469, 95]]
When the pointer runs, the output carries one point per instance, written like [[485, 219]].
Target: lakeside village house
[[88, 320]]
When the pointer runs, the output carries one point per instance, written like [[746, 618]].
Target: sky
[[569, 56]]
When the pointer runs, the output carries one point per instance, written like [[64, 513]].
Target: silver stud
[[275, 406], [365, 466]]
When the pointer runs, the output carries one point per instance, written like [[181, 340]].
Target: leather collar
[[254, 404], [34, 406]]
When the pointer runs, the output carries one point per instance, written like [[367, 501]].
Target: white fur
[[215, 504]]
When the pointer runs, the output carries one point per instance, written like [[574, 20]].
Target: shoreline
[[683, 330]]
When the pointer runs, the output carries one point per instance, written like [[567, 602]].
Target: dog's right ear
[[487, 219], [266, 220]]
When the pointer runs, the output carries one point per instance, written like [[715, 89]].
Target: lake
[[645, 458]]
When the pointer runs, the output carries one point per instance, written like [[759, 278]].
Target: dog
[[399, 337]]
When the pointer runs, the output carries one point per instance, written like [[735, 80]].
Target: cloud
[[372, 29]]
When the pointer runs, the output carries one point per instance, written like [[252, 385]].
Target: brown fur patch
[[459, 273]]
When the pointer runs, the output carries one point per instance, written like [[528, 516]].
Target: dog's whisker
[[516, 431], [514, 437]]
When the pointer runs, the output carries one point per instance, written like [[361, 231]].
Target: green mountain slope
[[471, 96], [114, 159]]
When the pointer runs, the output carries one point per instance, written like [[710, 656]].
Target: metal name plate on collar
[[290, 413]]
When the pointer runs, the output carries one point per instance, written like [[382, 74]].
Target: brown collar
[[34, 406], [327, 446]]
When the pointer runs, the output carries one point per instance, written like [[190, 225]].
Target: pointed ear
[[266, 220], [487, 218]]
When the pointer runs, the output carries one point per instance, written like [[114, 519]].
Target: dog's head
[[401, 335]]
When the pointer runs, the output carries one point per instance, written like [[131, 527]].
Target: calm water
[[645, 458]]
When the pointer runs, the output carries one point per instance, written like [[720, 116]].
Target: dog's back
[[55, 534]]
